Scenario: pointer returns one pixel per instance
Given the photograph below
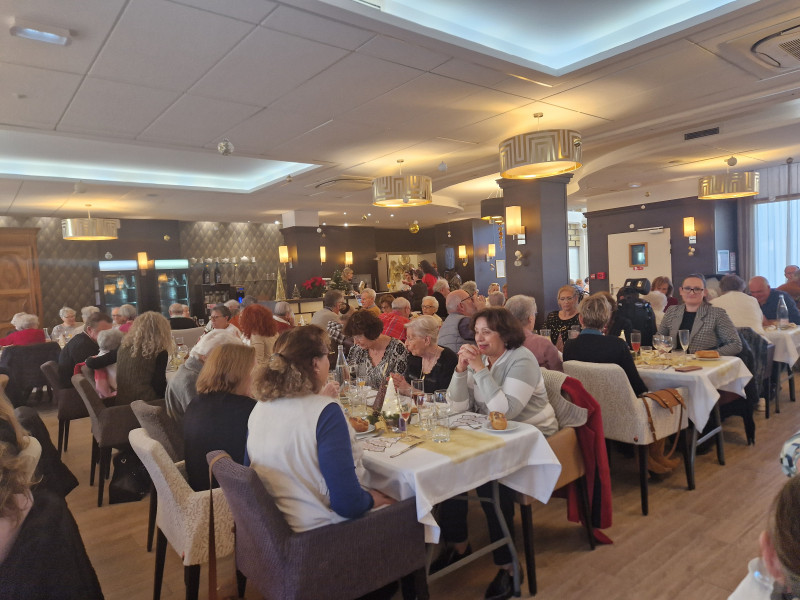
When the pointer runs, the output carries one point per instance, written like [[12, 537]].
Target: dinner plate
[[369, 430], [512, 425]]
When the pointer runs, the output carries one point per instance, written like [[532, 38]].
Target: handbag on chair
[[658, 461]]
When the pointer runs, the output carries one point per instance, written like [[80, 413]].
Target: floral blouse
[[395, 359], [559, 327]]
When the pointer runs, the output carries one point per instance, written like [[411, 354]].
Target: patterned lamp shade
[[402, 190], [89, 229], [728, 185], [540, 154]]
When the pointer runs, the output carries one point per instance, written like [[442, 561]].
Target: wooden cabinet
[[20, 290]]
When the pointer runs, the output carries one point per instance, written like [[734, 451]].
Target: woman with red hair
[[261, 329]]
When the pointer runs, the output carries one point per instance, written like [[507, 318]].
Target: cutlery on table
[[411, 447]]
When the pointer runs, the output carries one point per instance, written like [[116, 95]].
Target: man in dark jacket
[[81, 346]]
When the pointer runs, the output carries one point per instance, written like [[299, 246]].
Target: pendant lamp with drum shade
[[540, 153], [728, 185], [89, 229], [397, 191]]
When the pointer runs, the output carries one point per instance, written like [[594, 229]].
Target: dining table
[[432, 472], [787, 352]]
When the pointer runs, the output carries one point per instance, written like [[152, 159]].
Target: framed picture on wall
[[637, 254], [501, 268], [723, 261]]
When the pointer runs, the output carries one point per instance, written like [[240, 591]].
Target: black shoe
[[448, 556], [502, 586]]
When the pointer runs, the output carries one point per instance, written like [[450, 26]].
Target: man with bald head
[[768, 299], [456, 330]]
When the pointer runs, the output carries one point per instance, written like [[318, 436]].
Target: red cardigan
[[23, 337]]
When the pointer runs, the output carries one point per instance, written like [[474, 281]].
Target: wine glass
[[636, 341], [201, 322], [405, 404], [683, 338]]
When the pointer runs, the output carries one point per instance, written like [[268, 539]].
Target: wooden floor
[[692, 545]]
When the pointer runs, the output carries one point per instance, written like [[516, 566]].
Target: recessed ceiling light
[[634, 184], [40, 33], [324, 224], [344, 213], [277, 222], [345, 224], [391, 215]]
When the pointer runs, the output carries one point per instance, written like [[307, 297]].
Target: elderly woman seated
[[68, 327], [523, 309], [383, 355], [428, 360], [27, 332], [105, 373], [123, 317], [283, 315], [88, 311], [498, 374], [430, 307]]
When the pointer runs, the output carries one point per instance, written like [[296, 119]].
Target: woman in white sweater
[[497, 374]]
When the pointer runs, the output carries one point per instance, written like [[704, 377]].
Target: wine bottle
[[207, 274], [217, 273]]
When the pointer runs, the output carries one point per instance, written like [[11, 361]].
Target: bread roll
[[360, 425], [498, 420], [707, 354]]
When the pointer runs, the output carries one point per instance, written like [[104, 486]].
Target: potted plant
[[313, 288]]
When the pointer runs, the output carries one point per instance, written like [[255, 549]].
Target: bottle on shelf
[[207, 274], [782, 313], [217, 273]]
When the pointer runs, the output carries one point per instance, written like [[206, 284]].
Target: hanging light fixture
[[402, 190], [493, 209], [89, 229], [540, 153], [728, 185]]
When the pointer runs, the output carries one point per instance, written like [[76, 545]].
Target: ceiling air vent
[[780, 50], [702, 133], [345, 183]]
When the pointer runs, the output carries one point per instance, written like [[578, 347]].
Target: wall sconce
[[283, 256], [142, 262], [348, 259], [690, 232], [323, 256], [514, 226], [518, 256], [462, 254], [490, 253]]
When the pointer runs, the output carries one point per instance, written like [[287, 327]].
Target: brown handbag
[[667, 398]]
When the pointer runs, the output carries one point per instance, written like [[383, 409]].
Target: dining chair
[[22, 364], [110, 427], [625, 416], [190, 336], [162, 428], [182, 518], [312, 564], [70, 404], [31, 454]]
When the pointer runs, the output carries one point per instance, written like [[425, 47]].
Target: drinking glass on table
[[636, 341], [201, 322], [427, 413], [405, 403], [545, 333], [683, 338], [418, 390]]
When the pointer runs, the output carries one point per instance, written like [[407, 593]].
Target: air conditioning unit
[[780, 50]]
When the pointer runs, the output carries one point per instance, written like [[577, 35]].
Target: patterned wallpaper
[[67, 268]]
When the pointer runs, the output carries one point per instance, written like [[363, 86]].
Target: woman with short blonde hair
[[27, 331], [559, 322], [217, 418], [427, 360], [299, 441], [142, 359]]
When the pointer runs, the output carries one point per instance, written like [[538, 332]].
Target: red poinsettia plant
[[314, 287]]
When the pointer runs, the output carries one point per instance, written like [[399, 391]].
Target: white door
[[638, 254]]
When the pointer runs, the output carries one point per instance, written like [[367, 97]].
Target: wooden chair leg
[[151, 519], [527, 543], [720, 440], [586, 514], [161, 555], [191, 577], [241, 582], [61, 425], [95, 451], [66, 435], [642, 451]]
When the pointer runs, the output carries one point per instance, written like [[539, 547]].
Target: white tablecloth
[[727, 373], [525, 463], [787, 342]]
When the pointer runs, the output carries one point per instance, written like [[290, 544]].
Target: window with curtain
[[776, 238]]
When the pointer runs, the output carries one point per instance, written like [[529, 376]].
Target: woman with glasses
[[710, 327], [559, 322], [382, 354], [428, 360]]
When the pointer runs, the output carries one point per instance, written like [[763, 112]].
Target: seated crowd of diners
[[256, 385]]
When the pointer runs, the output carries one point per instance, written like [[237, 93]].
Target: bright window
[[776, 239]]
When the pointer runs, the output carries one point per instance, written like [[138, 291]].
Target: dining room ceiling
[[317, 97]]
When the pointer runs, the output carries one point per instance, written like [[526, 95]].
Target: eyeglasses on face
[[693, 290], [470, 297], [430, 306]]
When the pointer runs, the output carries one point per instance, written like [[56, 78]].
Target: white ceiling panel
[[265, 66], [470, 72], [119, 109], [196, 121], [426, 92], [32, 97], [310, 26], [404, 53], [353, 81], [252, 11], [153, 38], [8, 192], [269, 128], [88, 21]]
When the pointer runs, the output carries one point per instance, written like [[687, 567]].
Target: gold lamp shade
[[540, 154], [728, 185], [89, 229], [396, 191]]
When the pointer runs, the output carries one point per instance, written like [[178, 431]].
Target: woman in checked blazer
[[710, 327]]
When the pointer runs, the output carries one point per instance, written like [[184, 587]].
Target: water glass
[[683, 338], [678, 358], [418, 390], [427, 413], [441, 428], [545, 333]]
